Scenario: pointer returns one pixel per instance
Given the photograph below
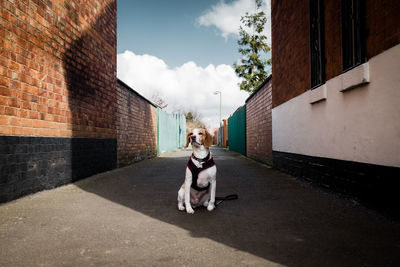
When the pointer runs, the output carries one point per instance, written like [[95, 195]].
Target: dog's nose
[[193, 137]]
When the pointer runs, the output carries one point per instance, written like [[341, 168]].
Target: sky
[[182, 51]]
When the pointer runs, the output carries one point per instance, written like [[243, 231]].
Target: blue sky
[[169, 30], [182, 51]]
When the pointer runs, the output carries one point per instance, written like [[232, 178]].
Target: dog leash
[[219, 200]]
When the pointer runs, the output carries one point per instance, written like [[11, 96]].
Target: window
[[353, 40], [317, 43]]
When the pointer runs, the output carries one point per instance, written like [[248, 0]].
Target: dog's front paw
[[210, 207], [181, 207], [189, 210]]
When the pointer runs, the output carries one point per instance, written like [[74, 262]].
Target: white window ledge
[[355, 77], [318, 94]]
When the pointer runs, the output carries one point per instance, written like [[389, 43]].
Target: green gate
[[237, 131], [171, 131]]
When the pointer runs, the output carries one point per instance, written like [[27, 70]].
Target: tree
[[189, 116], [253, 48], [194, 120]]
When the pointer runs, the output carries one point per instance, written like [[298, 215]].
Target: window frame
[[353, 33], [317, 43]]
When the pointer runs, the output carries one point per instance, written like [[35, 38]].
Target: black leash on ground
[[219, 200]]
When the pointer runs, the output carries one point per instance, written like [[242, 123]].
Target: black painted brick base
[[374, 185], [32, 164]]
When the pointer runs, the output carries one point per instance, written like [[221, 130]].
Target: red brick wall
[[333, 41], [290, 41], [136, 126], [259, 124], [57, 85], [383, 24], [290, 53], [57, 68]]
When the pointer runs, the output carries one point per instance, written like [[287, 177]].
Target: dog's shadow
[[269, 220]]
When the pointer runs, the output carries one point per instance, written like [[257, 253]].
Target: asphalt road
[[129, 217]]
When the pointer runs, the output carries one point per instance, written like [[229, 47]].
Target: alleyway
[[129, 217]]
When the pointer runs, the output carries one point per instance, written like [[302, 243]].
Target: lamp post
[[220, 101]]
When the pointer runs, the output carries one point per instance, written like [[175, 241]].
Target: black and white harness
[[206, 163]]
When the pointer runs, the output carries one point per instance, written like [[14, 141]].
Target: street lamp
[[220, 101]]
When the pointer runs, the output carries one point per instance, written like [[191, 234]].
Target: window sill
[[355, 77], [351, 79], [318, 94]]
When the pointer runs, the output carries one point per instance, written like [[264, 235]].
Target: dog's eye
[[200, 133]]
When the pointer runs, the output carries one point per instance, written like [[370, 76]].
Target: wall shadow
[[275, 218], [90, 69]]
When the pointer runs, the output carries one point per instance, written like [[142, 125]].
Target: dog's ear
[[209, 140], [188, 139]]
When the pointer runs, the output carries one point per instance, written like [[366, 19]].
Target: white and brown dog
[[201, 172]]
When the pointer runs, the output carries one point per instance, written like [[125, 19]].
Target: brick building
[[259, 123], [336, 95], [57, 93]]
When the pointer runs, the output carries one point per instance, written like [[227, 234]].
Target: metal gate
[[237, 131], [171, 131]]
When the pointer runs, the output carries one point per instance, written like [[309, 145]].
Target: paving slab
[[128, 217]]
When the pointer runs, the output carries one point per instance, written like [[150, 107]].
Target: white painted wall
[[360, 124]]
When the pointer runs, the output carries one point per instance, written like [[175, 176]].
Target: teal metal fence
[[237, 131], [171, 131]]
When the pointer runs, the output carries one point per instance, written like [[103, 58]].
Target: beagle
[[201, 172]]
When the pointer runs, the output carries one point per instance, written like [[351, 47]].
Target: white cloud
[[226, 16], [187, 87]]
